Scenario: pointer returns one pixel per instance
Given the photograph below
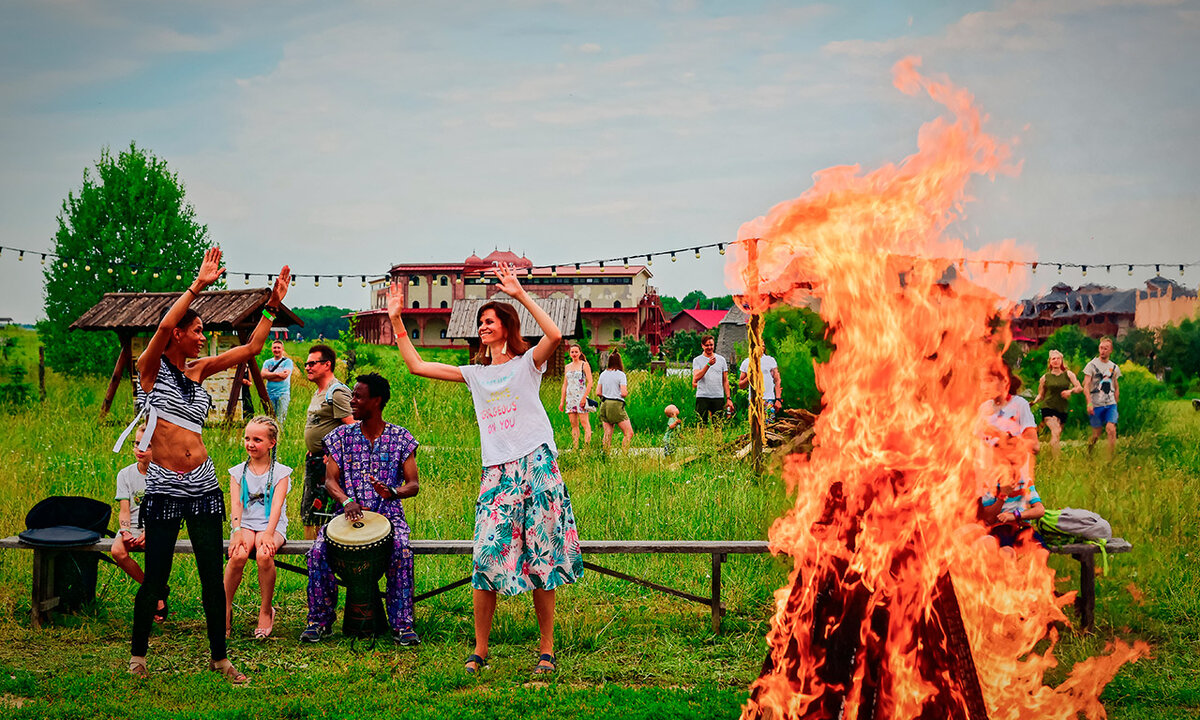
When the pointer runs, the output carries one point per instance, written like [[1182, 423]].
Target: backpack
[[1074, 525]]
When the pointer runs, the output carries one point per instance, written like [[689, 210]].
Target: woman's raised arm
[[416, 366], [208, 366], [148, 361], [506, 276]]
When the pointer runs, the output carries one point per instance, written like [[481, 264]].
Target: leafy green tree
[[1141, 346], [635, 354], [1075, 345], [797, 338], [1180, 354], [127, 229], [682, 346], [325, 320]]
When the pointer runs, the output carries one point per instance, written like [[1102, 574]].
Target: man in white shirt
[[1100, 381], [772, 385], [710, 377]]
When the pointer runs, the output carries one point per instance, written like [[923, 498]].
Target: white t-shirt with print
[[1013, 418], [712, 385], [611, 382], [768, 364], [131, 486], [255, 515], [512, 420], [1102, 374]]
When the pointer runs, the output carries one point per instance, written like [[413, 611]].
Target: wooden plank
[[235, 392], [646, 583], [124, 360], [718, 608]]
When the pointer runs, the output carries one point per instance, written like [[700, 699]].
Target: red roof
[[607, 310], [708, 318]]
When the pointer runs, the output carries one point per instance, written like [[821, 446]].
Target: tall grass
[[625, 651]]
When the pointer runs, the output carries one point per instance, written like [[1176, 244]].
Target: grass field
[[624, 651]]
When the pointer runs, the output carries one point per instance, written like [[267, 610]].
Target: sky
[[346, 137]]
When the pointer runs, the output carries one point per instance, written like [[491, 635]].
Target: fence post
[[42, 372]]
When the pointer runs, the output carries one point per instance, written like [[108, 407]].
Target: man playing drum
[[370, 465]]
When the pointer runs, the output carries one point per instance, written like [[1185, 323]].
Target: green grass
[[624, 651]]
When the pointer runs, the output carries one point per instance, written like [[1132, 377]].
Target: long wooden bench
[[45, 598]]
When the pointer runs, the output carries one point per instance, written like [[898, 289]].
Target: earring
[[487, 351], [504, 350]]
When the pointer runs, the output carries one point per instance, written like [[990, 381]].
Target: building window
[[442, 335], [443, 281], [616, 303], [416, 303], [416, 333], [444, 304], [616, 333], [587, 303]]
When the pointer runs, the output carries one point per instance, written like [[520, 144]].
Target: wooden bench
[[45, 598]]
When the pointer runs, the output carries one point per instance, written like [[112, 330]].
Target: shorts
[[525, 535], [172, 495], [316, 506], [613, 411], [707, 407], [1059, 414], [1103, 415]]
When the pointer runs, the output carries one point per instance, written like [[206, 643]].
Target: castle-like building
[[614, 301]]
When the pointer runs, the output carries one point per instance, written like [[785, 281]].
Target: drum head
[[370, 528]]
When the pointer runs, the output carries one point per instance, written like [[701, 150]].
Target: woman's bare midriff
[[176, 449]]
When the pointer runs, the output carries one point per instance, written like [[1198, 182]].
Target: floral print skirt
[[525, 535]]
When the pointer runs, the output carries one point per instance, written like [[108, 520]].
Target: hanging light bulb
[[1084, 270], [1010, 264], [1130, 271], [554, 271], [178, 276], [21, 256], [601, 266], [364, 280], [529, 273], [697, 253], [1033, 266], [576, 268], [673, 258], [1060, 268], [294, 280], [64, 263], [245, 279], [649, 261], [156, 275], [133, 271], [316, 281], [1108, 268], [626, 263], [985, 265], [721, 248], [43, 258], [1156, 269], [1180, 271], [110, 271], [87, 268], [339, 280], [962, 264]]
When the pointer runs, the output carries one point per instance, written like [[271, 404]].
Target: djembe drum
[[358, 554]]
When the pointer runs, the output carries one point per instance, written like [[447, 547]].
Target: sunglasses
[[310, 363]]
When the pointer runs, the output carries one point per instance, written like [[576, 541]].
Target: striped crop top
[[175, 398]]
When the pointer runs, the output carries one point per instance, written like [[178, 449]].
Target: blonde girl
[[258, 491], [1054, 393], [576, 388]]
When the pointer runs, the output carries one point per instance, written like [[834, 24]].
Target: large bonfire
[[899, 604]]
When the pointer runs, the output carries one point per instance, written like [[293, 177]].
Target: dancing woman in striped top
[[181, 483]]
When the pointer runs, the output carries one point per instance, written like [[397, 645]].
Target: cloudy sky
[[344, 137]]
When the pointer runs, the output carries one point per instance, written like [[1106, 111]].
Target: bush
[[1139, 407], [650, 393], [635, 354]]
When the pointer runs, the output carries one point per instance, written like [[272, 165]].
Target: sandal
[[230, 673], [262, 633], [161, 614], [541, 669], [138, 669], [480, 664]]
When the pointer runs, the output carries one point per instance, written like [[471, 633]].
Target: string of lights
[[576, 266]]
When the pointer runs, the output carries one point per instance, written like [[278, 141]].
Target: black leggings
[[207, 534]]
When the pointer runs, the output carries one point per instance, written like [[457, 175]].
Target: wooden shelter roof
[[563, 311], [224, 310]]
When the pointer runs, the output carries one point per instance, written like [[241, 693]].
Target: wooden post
[[42, 372], [718, 608], [124, 361], [1085, 604], [758, 412], [235, 391]]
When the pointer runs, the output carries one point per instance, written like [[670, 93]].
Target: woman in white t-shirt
[[614, 388], [525, 536], [258, 491]]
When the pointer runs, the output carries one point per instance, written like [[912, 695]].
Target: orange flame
[[885, 508]]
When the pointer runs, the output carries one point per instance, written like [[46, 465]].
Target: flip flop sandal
[[480, 664], [262, 633], [541, 669], [230, 673]]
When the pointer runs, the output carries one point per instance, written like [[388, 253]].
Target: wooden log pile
[[792, 432]]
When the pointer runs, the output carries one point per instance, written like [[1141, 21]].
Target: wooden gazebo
[[228, 311]]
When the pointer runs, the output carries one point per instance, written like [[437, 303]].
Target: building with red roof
[[615, 301], [701, 321]]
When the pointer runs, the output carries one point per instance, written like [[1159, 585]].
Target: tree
[[682, 345], [325, 320], [635, 354], [128, 229]]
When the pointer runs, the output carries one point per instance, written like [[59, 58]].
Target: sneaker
[[315, 633], [407, 638]]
